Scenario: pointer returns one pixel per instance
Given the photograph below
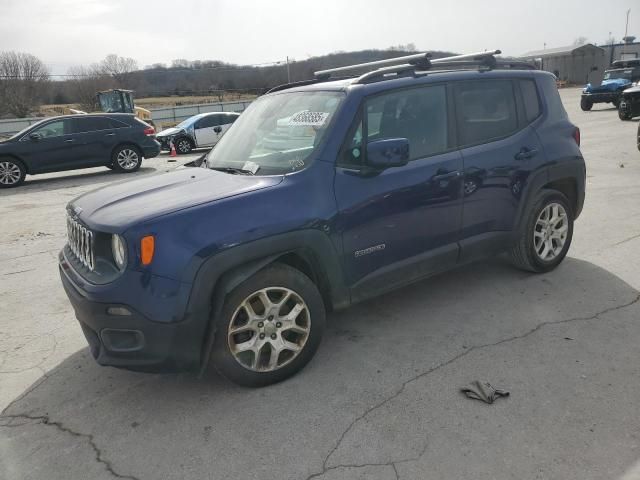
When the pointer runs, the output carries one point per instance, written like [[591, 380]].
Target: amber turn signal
[[147, 248]]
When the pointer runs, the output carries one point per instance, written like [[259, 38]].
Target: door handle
[[110, 135], [69, 140], [526, 153], [447, 175]]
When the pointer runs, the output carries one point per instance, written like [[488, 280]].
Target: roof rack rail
[[416, 58]]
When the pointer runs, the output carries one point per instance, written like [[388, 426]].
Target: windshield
[[23, 131], [276, 134], [612, 74]]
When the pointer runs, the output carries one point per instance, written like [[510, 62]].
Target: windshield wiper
[[236, 171]]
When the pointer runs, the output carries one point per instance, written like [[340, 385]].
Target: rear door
[[95, 139], [500, 149], [401, 223], [51, 149]]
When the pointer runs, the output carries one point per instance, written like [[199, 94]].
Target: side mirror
[[35, 136], [217, 129], [391, 152]]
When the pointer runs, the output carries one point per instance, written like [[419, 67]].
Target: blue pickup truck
[[615, 81], [322, 194]]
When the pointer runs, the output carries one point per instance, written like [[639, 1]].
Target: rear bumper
[[150, 150], [132, 341]]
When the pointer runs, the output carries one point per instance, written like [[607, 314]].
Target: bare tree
[[85, 83], [579, 41], [23, 79], [117, 67]]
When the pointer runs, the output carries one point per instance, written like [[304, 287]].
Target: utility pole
[[624, 40], [288, 71]]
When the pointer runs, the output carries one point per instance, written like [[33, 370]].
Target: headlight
[[119, 251]]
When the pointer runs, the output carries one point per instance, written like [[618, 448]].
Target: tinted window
[[117, 123], [53, 129], [92, 124], [208, 121], [486, 111], [530, 99], [555, 109], [230, 119], [419, 115]]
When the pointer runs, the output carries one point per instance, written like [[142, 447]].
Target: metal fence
[[173, 115], [161, 116]]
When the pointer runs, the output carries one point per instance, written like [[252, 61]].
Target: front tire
[[183, 146], [547, 234], [585, 104], [623, 115], [126, 159], [12, 173], [269, 328]]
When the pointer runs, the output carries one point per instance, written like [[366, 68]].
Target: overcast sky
[[74, 32]]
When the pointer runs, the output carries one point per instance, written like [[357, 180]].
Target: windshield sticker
[[251, 167], [313, 119], [296, 163]]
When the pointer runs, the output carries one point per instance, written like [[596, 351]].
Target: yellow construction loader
[[121, 101]]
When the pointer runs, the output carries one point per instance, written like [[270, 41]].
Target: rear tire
[[547, 235], [126, 159], [585, 104], [12, 173], [259, 341]]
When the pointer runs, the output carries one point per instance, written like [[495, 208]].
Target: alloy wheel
[[128, 158], [550, 231], [184, 146], [269, 329], [10, 173]]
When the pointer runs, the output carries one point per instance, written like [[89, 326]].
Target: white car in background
[[202, 130]]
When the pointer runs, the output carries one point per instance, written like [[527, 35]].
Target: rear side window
[[419, 115], [230, 119], [555, 109], [486, 111], [117, 123], [530, 100], [92, 124]]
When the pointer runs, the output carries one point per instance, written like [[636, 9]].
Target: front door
[[402, 223], [205, 130], [48, 147]]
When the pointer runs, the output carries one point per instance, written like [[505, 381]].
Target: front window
[[613, 74], [277, 134]]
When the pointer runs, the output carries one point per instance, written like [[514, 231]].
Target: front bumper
[[133, 341], [602, 97]]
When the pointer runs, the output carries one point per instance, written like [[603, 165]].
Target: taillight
[[576, 135], [149, 131]]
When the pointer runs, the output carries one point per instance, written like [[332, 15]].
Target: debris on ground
[[484, 391]]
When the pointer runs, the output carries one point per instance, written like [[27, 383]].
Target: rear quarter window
[[551, 97], [530, 99]]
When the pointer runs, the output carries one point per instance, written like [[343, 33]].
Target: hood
[[632, 90], [116, 207], [168, 132], [608, 85]]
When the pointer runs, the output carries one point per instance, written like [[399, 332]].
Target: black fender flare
[[569, 169], [220, 273]]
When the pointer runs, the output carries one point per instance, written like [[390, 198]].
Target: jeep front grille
[[81, 242]]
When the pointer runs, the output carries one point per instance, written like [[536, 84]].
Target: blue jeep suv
[[322, 194]]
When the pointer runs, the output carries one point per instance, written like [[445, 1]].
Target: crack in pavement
[[626, 240], [44, 420], [437, 367]]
